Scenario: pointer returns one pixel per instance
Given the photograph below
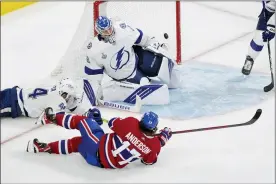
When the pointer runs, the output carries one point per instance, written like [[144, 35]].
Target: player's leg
[[86, 145], [64, 147], [91, 134], [265, 21], [9, 103], [67, 121]]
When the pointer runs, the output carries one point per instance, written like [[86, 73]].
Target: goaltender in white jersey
[[31, 102], [132, 59]]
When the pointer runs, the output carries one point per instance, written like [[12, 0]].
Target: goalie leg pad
[[124, 91], [175, 80], [165, 71]]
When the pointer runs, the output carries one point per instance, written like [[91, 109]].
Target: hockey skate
[[47, 117], [36, 147], [248, 65]]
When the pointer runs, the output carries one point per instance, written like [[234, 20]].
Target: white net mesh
[[153, 18]]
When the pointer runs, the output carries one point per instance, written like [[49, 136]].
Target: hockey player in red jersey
[[130, 140]]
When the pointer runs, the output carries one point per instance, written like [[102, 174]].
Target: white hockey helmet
[[67, 89]]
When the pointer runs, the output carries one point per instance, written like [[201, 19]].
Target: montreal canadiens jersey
[[126, 144], [33, 101], [118, 60]]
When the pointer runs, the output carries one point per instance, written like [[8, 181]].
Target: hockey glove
[[47, 117], [143, 162], [165, 135], [269, 33], [95, 114]]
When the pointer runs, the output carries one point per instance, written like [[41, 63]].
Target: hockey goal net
[[154, 17]]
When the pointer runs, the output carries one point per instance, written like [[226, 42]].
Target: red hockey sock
[[65, 146], [69, 121]]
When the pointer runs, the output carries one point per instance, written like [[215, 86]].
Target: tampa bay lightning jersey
[[117, 59]]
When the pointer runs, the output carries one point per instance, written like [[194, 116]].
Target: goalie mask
[[104, 26], [67, 89]]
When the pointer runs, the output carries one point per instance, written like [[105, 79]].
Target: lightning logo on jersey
[[120, 59]]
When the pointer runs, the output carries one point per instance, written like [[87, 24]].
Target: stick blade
[[256, 116], [269, 87]]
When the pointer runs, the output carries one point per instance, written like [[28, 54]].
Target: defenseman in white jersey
[[130, 57], [265, 31], [32, 102]]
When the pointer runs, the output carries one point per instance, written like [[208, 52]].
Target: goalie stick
[[250, 122], [131, 108]]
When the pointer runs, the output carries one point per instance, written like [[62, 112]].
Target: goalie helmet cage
[[153, 17]]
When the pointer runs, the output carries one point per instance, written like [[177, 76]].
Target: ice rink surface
[[214, 44]]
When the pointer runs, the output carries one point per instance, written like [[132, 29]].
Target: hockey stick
[[92, 99], [25, 132], [250, 122], [271, 85]]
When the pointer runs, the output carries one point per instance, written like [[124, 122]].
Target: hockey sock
[[69, 121], [256, 45], [65, 146]]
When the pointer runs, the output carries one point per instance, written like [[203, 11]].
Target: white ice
[[35, 38]]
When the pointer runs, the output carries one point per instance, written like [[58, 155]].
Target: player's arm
[[140, 38], [161, 140], [114, 122], [150, 43], [93, 69], [150, 159], [117, 123], [143, 39], [56, 102]]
